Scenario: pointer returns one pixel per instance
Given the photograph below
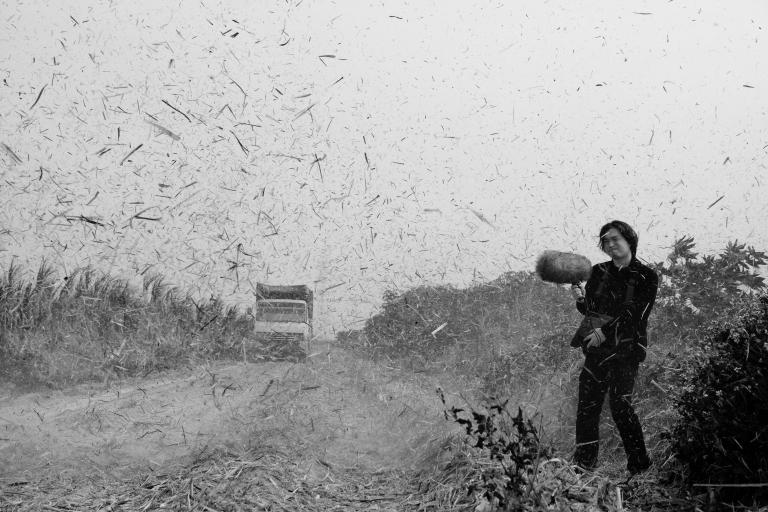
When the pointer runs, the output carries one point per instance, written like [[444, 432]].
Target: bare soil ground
[[334, 432]]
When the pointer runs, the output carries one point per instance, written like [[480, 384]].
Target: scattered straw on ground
[[220, 482]]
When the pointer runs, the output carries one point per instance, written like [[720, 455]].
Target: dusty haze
[[364, 145]]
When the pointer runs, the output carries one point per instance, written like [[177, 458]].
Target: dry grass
[[258, 480], [86, 326], [272, 480]]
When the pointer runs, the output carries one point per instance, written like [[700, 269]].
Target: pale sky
[[454, 140]]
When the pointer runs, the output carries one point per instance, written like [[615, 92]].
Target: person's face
[[615, 245]]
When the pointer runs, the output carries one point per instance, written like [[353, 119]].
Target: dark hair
[[626, 231]]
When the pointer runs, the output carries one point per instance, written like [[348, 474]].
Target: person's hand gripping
[[595, 338], [577, 291]]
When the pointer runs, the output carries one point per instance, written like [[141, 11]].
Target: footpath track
[[334, 432]]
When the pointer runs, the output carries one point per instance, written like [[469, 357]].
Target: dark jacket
[[626, 334]]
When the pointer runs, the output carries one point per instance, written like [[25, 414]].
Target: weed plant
[[510, 443]]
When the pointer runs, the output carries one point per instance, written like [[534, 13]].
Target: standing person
[[624, 290]]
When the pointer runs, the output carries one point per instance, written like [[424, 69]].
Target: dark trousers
[[617, 378]]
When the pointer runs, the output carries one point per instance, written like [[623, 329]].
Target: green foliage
[[722, 435]]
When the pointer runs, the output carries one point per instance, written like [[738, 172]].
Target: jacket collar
[[613, 268]]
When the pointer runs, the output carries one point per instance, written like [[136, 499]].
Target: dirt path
[[334, 412]]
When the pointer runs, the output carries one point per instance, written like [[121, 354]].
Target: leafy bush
[[722, 434]]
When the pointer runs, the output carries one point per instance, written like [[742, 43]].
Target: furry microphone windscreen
[[563, 267]]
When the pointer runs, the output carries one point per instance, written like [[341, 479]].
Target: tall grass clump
[[90, 325], [471, 326]]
